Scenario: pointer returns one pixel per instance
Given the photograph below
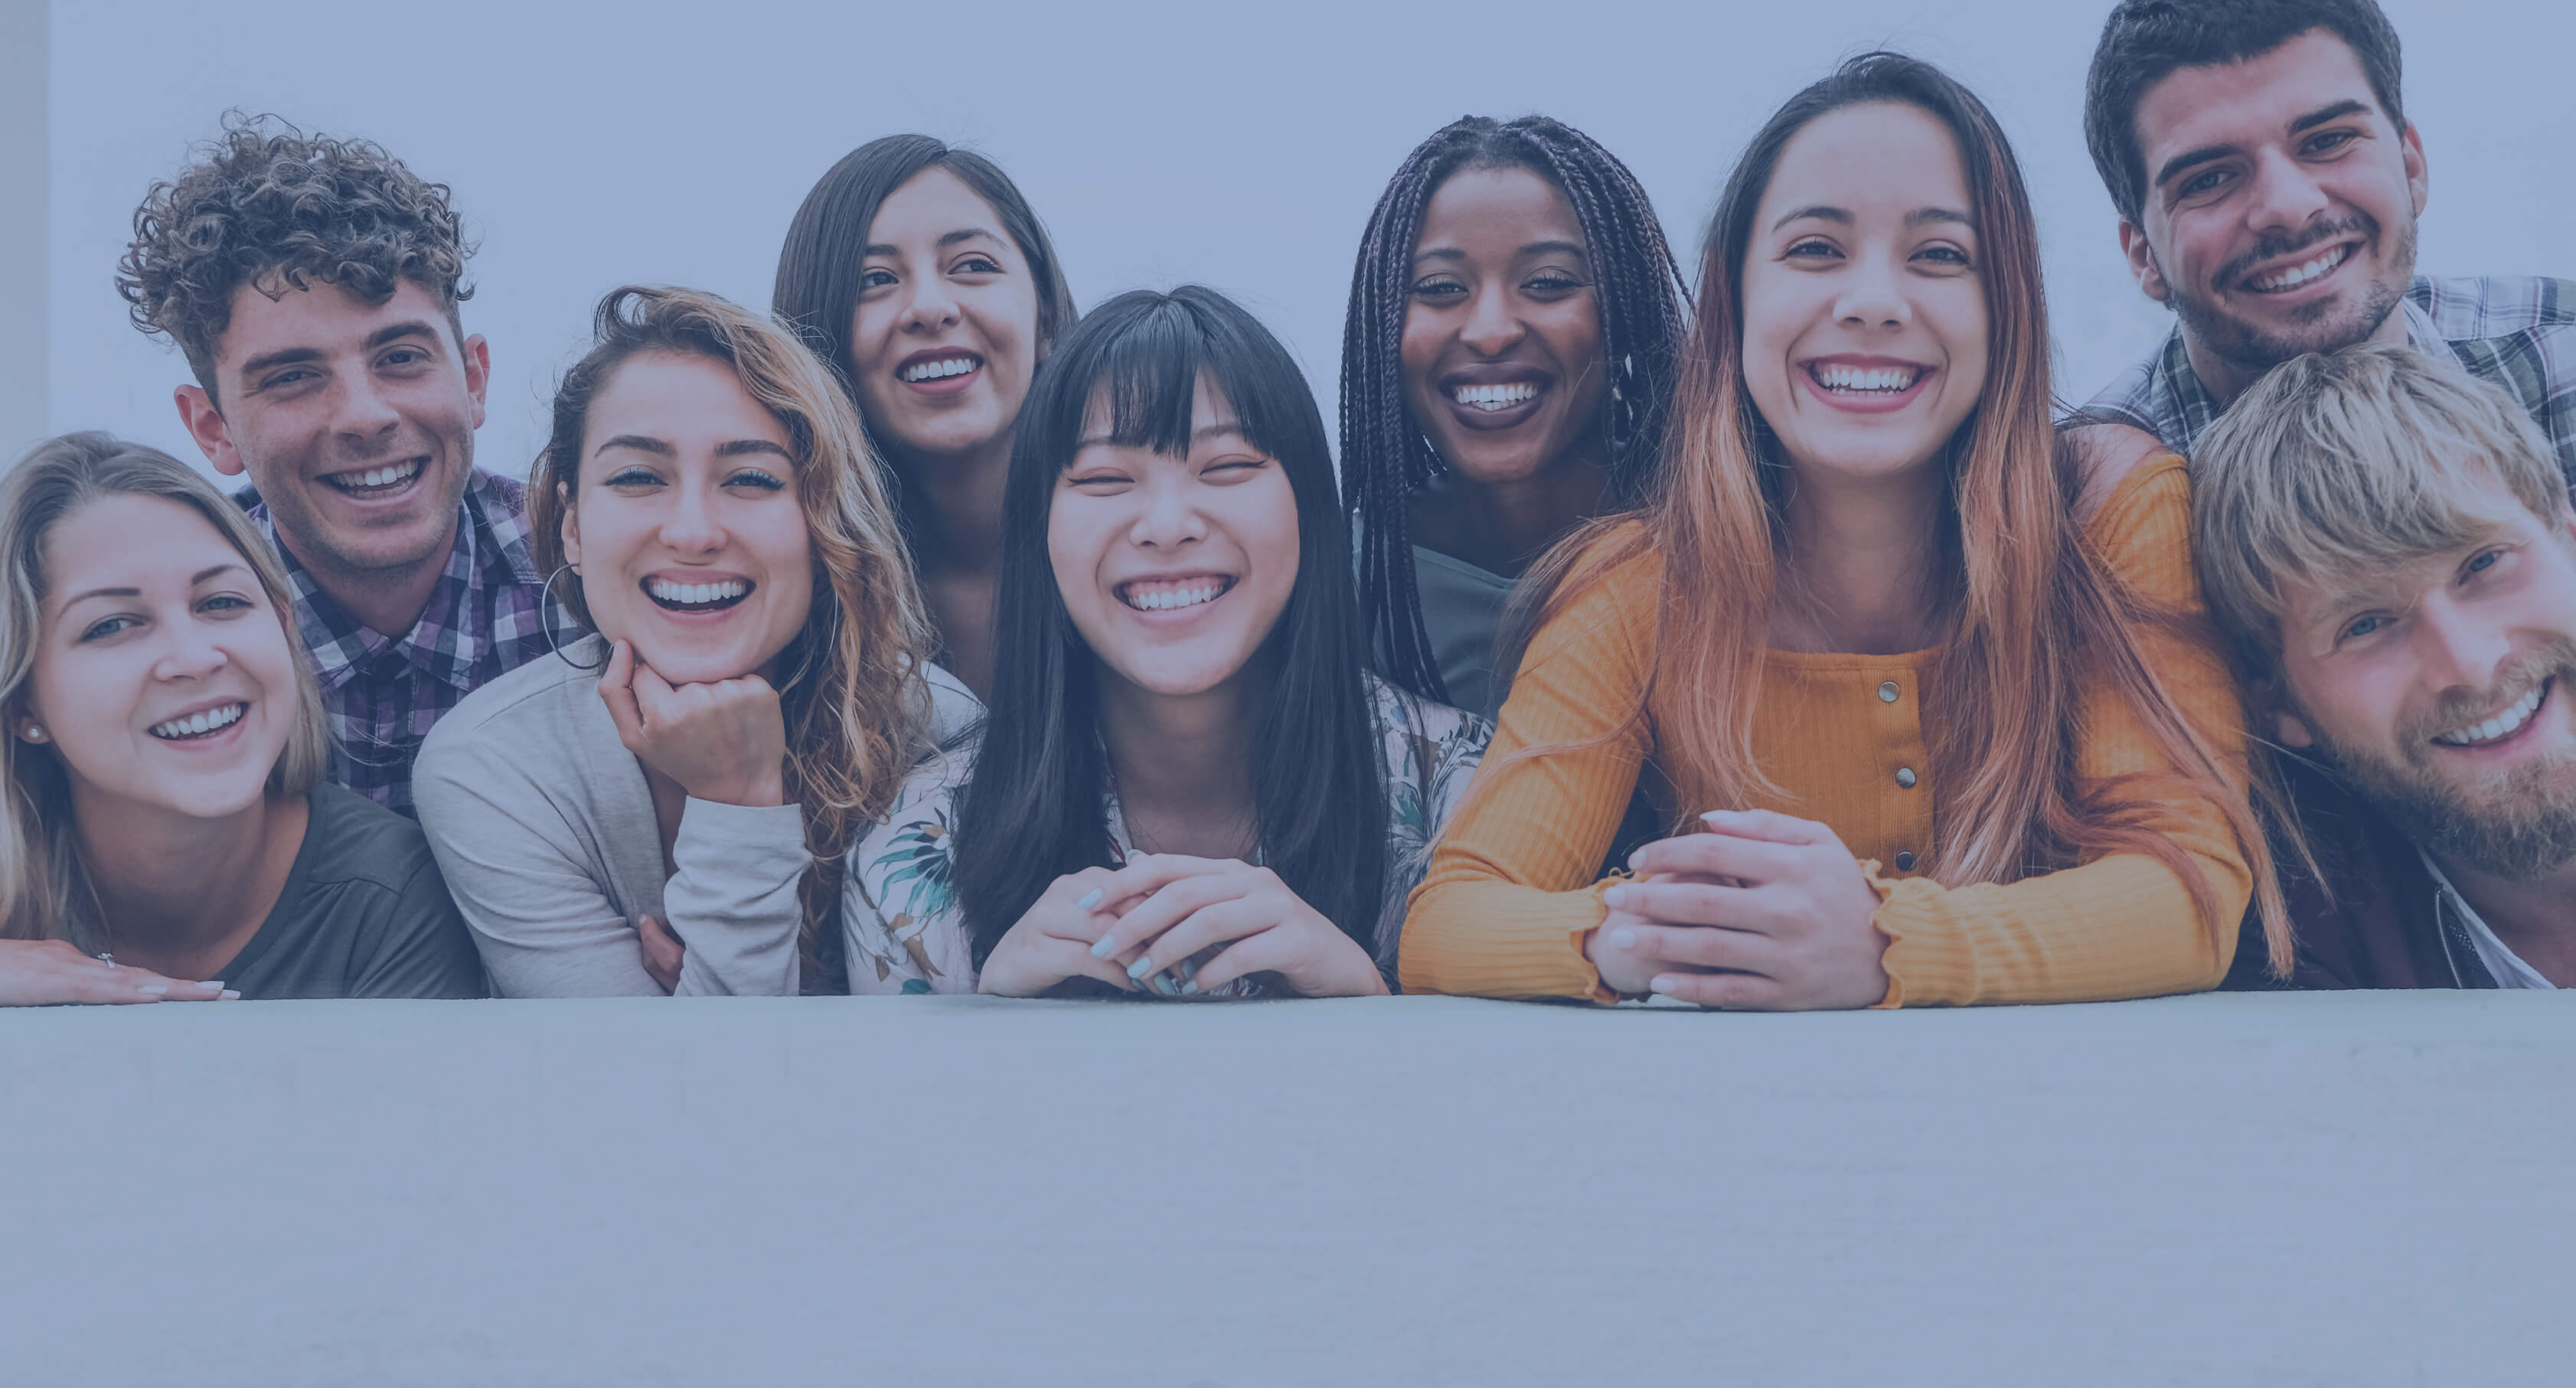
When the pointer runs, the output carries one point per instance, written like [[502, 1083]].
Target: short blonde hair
[[2336, 466], [42, 890]]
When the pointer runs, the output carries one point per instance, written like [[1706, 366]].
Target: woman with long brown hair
[[1935, 706], [665, 807]]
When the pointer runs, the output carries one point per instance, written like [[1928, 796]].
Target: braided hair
[[1385, 456]]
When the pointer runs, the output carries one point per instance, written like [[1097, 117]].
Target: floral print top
[[907, 934]]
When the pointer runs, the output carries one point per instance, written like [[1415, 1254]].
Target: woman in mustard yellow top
[[1954, 727]]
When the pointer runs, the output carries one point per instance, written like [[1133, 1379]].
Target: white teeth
[[939, 370], [1835, 376], [1163, 600], [2510, 720], [692, 594], [382, 476], [1501, 397], [196, 724], [2298, 275]]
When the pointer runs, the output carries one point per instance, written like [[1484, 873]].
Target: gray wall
[[24, 103]]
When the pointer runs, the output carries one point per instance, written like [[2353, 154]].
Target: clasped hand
[[724, 742], [1145, 926], [1763, 911]]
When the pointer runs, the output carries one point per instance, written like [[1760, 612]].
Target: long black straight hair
[[1032, 811], [1386, 458], [820, 265]]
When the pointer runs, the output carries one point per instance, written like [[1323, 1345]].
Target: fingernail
[[1189, 968], [1614, 896], [152, 990], [1633, 857], [229, 995], [1623, 937], [1663, 983], [1163, 984], [1104, 947], [1190, 988], [1713, 816], [212, 983], [1087, 900], [1144, 965]]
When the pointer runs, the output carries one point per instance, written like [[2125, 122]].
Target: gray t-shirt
[[1462, 610], [363, 915]]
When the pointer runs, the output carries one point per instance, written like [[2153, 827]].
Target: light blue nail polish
[[1104, 947], [1144, 965], [1190, 989], [1087, 900], [1163, 985]]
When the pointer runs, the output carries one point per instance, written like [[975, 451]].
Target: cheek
[[1074, 547], [1263, 520]]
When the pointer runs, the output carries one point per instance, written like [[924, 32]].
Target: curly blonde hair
[[858, 705]]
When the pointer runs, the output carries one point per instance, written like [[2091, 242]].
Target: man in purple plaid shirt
[[313, 285], [2268, 184]]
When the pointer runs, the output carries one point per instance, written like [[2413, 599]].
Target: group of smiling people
[[1784, 649]]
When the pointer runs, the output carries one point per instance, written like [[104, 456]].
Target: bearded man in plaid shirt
[[313, 285], [2268, 184]]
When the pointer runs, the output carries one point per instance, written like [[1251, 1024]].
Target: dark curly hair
[[271, 206]]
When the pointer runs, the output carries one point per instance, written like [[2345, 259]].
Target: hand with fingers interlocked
[[1177, 926], [36, 973], [1762, 911]]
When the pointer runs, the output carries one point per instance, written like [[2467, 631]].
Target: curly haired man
[[313, 285]]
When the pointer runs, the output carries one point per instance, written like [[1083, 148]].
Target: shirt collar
[[448, 641]]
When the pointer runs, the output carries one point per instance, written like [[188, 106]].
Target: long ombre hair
[[44, 894], [857, 703], [2036, 614]]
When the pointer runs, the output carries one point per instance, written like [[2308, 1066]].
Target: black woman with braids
[[1506, 365]]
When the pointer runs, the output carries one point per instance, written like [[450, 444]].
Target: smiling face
[[163, 674], [1502, 333], [1174, 569], [687, 529], [355, 421], [1864, 318], [945, 335], [2442, 688], [2280, 208]]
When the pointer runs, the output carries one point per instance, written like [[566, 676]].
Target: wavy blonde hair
[[44, 894], [2035, 612], [858, 703]]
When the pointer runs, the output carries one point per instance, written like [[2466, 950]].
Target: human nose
[[2455, 650], [364, 412], [1870, 296], [928, 305], [691, 525], [189, 653], [2286, 195], [1170, 517], [1492, 327]]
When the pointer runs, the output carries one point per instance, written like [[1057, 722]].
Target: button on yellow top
[[1887, 692]]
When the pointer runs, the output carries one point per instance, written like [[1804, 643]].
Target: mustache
[[2456, 708], [2274, 247]]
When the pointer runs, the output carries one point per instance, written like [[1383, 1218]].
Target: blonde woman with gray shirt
[[663, 808]]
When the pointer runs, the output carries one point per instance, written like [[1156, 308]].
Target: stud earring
[[33, 733]]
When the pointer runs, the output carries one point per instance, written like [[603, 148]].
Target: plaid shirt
[[2516, 333], [488, 614]]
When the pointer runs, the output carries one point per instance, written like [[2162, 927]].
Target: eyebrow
[[740, 447], [1839, 215], [1842, 216], [640, 444], [288, 355], [201, 576], [946, 240], [2310, 121], [1533, 248]]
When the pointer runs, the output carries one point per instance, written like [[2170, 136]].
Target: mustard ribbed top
[[1510, 896]]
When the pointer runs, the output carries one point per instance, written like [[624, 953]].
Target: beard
[[2520, 827], [2253, 348]]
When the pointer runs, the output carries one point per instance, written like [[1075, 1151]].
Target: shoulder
[[529, 715], [955, 713], [2106, 454], [2464, 308], [2143, 527], [351, 841], [1401, 714]]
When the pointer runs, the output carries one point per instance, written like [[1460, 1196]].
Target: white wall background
[[1161, 143]]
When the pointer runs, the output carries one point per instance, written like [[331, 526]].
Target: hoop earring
[[548, 588]]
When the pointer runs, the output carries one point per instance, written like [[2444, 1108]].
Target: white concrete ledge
[[2344, 1189]]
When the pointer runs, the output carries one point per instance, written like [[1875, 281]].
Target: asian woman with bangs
[[1942, 716], [1188, 784]]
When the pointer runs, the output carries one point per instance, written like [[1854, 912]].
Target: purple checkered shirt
[[488, 614]]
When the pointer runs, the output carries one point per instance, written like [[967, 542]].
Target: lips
[[939, 371], [2284, 279], [378, 482], [1864, 384], [2504, 724], [1174, 593], [200, 723], [1495, 398], [709, 594]]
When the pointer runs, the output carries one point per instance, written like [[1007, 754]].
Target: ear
[[2419, 181], [478, 373], [206, 425], [571, 530], [2142, 261]]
